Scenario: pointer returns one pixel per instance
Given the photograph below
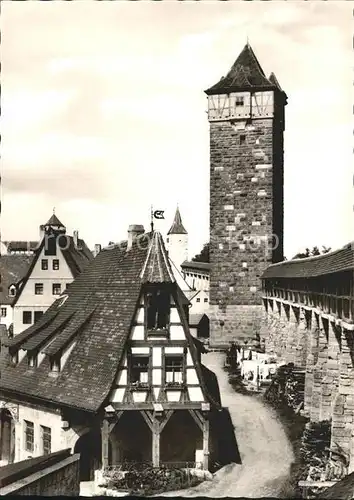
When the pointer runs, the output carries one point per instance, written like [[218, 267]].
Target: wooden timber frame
[[156, 421]]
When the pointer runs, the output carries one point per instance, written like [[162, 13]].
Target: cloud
[[103, 106]]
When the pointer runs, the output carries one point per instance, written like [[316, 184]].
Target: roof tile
[[311, 267]]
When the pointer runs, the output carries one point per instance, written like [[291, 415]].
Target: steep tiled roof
[[97, 315], [177, 226], [157, 268], [13, 268], [332, 262], [273, 79], [245, 73], [202, 266], [77, 257]]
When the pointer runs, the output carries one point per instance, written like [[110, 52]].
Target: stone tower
[[177, 241], [246, 116]]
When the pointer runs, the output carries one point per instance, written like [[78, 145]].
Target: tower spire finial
[[53, 210]]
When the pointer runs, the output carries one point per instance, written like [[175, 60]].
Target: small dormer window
[[55, 365], [14, 358], [12, 291], [158, 309], [32, 360]]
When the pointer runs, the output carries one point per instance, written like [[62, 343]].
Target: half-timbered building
[[111, 369]]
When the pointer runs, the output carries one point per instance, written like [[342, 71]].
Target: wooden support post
[[156, 443], [206, 443], [104, 440]]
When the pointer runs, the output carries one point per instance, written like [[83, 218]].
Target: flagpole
[[152, 220]]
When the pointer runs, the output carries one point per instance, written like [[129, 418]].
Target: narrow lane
[[265, 451]]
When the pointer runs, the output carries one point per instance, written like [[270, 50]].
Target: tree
[[204, 255], [309, 253]]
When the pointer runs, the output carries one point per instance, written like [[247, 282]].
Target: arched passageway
[[7, 437], [131, 440], [180, 439], [89, 447]]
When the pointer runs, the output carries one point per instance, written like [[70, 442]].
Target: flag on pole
[[159, 214]]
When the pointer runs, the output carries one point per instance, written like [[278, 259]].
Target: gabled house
[[111, 369], [58, 259]]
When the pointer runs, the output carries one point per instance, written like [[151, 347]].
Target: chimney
[[76, 238], [134, 231], [97, 249]]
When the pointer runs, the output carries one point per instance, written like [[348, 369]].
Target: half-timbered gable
[[113, 357]]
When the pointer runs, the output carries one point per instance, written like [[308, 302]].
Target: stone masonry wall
[[241, 217], [311, 359], [235, 322], [60, 479], [343, 413], [317, 342]]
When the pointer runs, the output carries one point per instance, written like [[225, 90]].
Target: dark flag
[[158, 214]]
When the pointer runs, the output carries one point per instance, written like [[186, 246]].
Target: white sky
[[104, 114]]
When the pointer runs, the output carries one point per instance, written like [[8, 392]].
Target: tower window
[[239, 101], [55, 264], [158, 309], [44, 264], [50, 244], [242, 138]]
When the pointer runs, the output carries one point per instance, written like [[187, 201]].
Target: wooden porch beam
[[172, 405], [206, 432], [117, 416], [104, 440], [166, 419], [196, 419], [156, 444], [148, 420]]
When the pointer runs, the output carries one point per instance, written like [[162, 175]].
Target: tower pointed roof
[[245, 73], [177, 226], [54, 221]]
